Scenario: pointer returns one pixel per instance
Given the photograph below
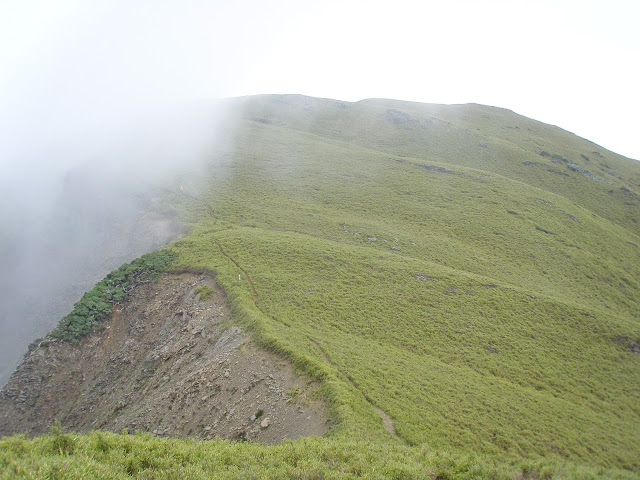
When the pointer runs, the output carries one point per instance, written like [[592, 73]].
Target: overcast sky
[[69, 67]]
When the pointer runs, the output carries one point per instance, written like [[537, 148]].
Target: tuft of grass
[[204, 291], [61, 443]]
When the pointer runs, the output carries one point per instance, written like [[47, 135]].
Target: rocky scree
[[167, 363]]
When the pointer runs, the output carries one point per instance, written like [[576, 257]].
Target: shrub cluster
[[96, 305]]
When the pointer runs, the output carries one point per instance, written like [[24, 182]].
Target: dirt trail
[[386, 419], [169, 364], [233, 260], [248, 277]]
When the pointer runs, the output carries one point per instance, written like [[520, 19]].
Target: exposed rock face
[[167, 363]]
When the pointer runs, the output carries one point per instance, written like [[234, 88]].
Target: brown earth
[[168, 363]]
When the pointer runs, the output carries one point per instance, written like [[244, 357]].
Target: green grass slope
[[111, 456], [492, 139], [472, 273]]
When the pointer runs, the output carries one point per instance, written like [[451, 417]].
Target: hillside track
[[244, 272], [387, 421], [233, 260]]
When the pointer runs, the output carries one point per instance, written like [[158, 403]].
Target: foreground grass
[[111, 456]]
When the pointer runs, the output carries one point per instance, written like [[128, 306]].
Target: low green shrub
[[96, 305]]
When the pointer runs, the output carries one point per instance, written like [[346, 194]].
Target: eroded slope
[[166, 364]]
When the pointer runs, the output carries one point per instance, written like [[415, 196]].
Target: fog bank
[[101, 110]]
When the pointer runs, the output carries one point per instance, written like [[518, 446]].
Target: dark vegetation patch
[[397, 117], [194, 270], [422, 276], [511, 212], [479, 179], [628, 342], [544, 230], [557, 172], [434, 168], [629, 193], [583, 171], [527, 475], [97, 305], [555, 157]]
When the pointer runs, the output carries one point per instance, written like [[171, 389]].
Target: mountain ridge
[[461, 268]]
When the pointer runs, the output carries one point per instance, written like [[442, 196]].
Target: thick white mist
[[101, 107]]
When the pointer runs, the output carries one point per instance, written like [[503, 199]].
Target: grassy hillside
[[471, 273]]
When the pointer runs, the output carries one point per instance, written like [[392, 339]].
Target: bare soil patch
[[169, 364]]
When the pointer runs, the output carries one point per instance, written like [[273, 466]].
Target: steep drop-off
[[167, 363], [98, 221]]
